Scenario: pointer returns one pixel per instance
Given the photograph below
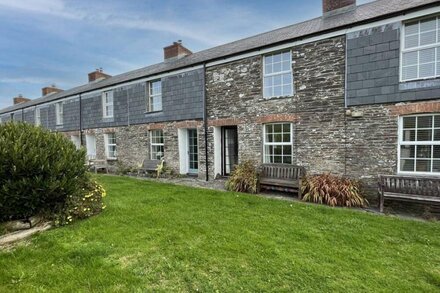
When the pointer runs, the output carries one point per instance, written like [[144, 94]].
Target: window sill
[[153, 112], [419, 83], [112, 159], [278, 97]]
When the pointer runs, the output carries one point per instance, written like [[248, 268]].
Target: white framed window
[[420, 53], [91, 146], [107, 104], [76, 141], [278, 77], [156, 144], [37, 116], [110, 145], [278, 143], [419, 144], [59, 113], [155, 96]]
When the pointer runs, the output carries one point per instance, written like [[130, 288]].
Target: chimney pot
[[333, 7], [175, 51], [20, 99], [48, 90], [98, 74]]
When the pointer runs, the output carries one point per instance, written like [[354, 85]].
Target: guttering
[[205, 121]]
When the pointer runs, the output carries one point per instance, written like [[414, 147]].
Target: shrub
[[84, 206], [244, 178], [333, 191], [39, 170]]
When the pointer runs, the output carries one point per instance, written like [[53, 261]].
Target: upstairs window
[[419, 144], [278, 78], [278, 143], [155, 96], [110, 145], [421, 49], [37, 117], [157, 144], [59, 113], [107, 104]]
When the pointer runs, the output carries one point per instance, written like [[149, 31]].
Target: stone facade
[[234, 97]]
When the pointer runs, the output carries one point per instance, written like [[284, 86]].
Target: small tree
[[39, 170]]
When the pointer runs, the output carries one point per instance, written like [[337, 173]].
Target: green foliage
[[332, 190], [39, 170], [244, 178]]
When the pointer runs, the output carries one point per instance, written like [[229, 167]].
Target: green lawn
[[157, 237]]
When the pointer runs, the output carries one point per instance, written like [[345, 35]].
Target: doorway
[[229, 149]]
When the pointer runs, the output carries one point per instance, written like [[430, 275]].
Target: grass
[[158, 237]]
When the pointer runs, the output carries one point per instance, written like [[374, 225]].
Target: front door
[[229, 149], [193, 152]]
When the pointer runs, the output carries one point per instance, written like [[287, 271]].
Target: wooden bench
[[148, 166], [408, 188], [281, 177], [98, 165]]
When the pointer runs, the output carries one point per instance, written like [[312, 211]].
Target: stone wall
[[234, 97], [133, 143]]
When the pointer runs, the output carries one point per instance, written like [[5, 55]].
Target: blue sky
[[58, 42]]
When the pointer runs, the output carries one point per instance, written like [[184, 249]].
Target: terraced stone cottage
[[353, 92]]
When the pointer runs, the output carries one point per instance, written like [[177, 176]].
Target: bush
[[333, 191], [39, 170], [244, 178], [81, 207]]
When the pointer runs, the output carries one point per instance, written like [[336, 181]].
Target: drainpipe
[[80, 121], [205, 122]]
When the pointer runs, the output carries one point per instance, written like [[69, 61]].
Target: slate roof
[[362, 14]]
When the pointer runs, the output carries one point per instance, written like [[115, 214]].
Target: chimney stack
[[333, 7], [97, 75], [20, 99], [52, 89], [175, 51]]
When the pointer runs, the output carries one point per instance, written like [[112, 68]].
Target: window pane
[[407, 151], [410, 72], [287, 79], [276, 58], [409, 122], [277, 91], [437, 121], [278, 159], [437, 135], [286, 56], [424, 122], [411, 41], [268, 68], [277, 67], [286, 65], [287, 160], [287, 150], [428, 38], [427, 70], [427, 55], [277, 80], [412, 28], [435, 166], [424, 151], [436, 153], [407, 165], [409, 58], [287, 90], [424, 135], [428, 25], [409, 135], [423, 166], [277, 128]]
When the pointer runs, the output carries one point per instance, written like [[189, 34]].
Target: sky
[[45, 42]]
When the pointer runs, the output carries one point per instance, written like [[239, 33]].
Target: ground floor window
[[76, 141], [278, 143], [110, 145], [156, 144], [419, 144]]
